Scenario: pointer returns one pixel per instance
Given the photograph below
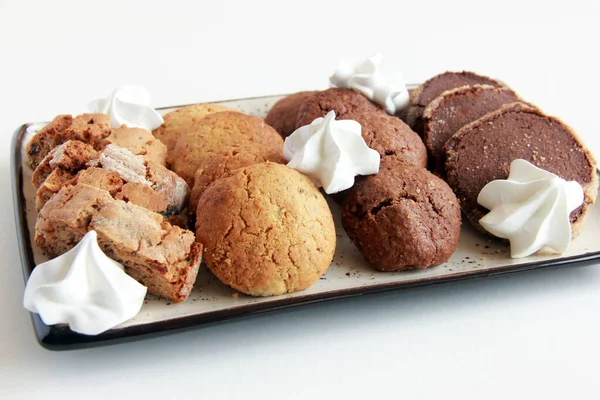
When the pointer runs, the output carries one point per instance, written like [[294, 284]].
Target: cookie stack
[[474, 127], [114, 181], [403, 217], [266, 228]]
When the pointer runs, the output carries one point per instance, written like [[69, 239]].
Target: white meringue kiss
[[331, 153], [371, 78], [128, 105], [83, 288], [531, 209]]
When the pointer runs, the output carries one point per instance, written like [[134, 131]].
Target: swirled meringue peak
[[128, 105], [372, 78], [331, 153], [530, 208], [84, 289]]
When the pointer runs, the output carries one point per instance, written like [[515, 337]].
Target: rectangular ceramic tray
[[349, 275]]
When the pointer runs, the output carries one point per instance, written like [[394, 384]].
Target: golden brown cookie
[[182, 118], [223, 132], [266, 229], [214, 167], [282, 116]]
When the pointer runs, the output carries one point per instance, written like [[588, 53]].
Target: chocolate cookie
[[282, 116], [342, 101], [214, 167], [455, 108], [390, 137], [402, 218], [267, 230], [220, 133], [482, 151], [435, 86]]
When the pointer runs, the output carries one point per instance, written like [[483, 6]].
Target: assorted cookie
[[483, 150], [222, 132], [432, 88], [266, 229], [404, 217], [455, 108], [262, 227]]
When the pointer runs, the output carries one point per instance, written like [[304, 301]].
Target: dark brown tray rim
[[61, 338]]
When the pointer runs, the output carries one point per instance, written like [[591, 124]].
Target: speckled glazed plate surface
[[348, 275]]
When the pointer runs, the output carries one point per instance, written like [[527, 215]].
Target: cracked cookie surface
[[402, 218], [342, 101], [266, 230], [222, 132]]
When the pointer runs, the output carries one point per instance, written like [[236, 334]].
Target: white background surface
[[531, 335]]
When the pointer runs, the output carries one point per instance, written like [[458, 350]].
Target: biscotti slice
[[136, 169], [455, 108], [435, 86], [44, 140], [64, 220], [163, 257], [72, 156], [483, 150], [139, 142]]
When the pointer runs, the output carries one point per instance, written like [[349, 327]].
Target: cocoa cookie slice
[[482, 151], [435, 86], [455, 108], [390, 137], [402, 218], [223, 132], [266, 229], [342, 101], [282, 116]]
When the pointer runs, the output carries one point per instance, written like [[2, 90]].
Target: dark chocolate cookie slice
[[482, 151], [455, 108], [435, 86]]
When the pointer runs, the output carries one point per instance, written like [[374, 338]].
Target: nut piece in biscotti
[[402, 218], [483, 150], [391, 137], [88, 128], [64, 220], [137, 169], [214, 167], [455, 108], [434, 87], [266, 230], [284, 113], [139, 142], [163, 257], [183, 118], [342, 101], [220, 133], [70, 156]]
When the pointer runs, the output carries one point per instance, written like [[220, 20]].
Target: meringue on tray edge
[[331, 152], [83, 288], [531, 208], [376, 82], [128, 105]]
